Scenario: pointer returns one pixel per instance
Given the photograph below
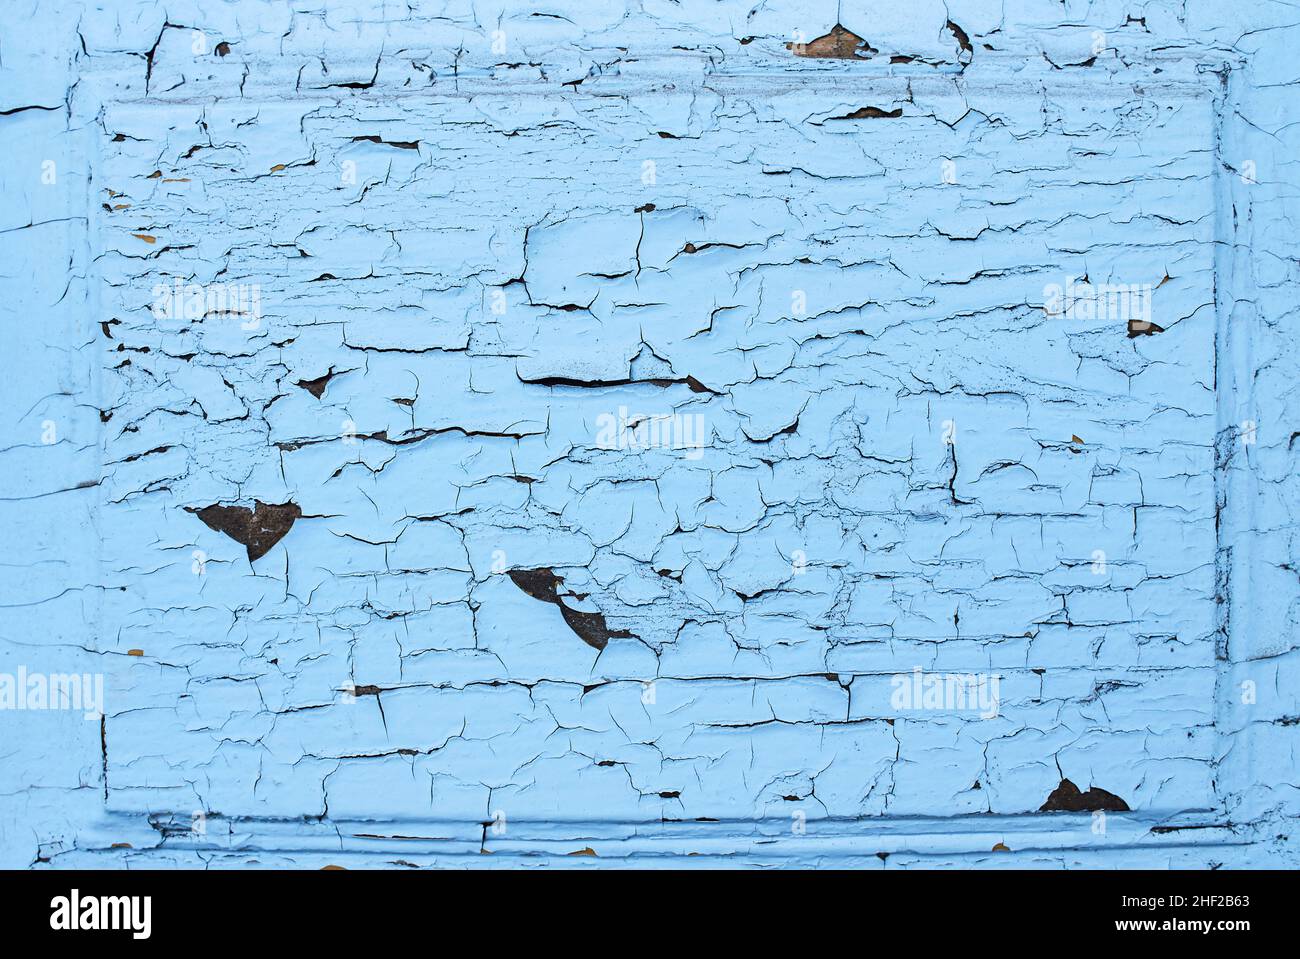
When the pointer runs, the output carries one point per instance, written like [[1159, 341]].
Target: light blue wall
[[498, 232]]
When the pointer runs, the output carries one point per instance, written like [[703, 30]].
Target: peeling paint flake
[[258, 528]]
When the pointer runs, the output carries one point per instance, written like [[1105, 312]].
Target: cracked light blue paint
[[477, 262]]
